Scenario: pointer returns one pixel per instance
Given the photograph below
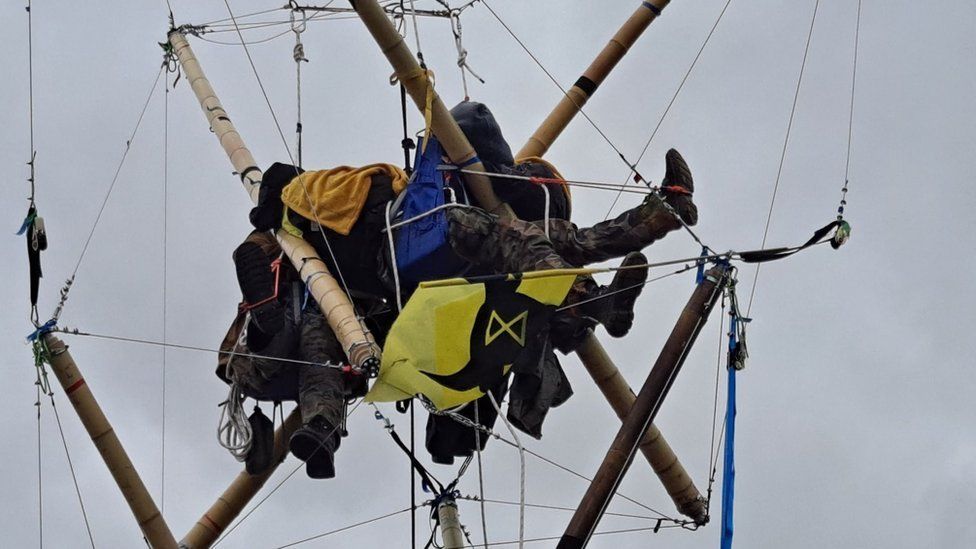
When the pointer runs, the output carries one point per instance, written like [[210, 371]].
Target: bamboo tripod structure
[[358, 343], [659, 454]]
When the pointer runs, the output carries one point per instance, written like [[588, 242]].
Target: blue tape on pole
[[473, 160]]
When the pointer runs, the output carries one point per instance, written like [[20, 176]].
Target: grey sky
[[855, 424]]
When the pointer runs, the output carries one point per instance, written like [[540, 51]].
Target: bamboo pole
[[592, 77], [358, 343], [451, 532], [676, 480], [653, 445], [215, 521], [419, 85], [150, 520], [648, 402]]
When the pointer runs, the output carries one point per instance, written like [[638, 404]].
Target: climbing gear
[[613, 305], [33, 228]]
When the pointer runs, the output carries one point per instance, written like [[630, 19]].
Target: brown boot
[[613, 305], [678, 186]]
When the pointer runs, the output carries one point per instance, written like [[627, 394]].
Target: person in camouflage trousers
[[514, 245], [280, 328]]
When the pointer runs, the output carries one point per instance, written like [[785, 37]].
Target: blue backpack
[[423, 251]]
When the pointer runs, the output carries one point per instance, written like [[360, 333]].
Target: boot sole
[[257, 283]]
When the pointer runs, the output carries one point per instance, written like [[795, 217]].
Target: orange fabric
[[337, 195]]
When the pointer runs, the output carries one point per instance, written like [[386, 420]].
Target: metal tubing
[[592, 77], [357, 342], [648, 403], [215, 521], [150, 520]]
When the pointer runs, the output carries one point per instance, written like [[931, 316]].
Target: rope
[[850, 121], [462, 59], [630, 165], [653, 529], [344, 528], [279, 485], [671, 103], [550, 507], [782, 157], [468, 423], [284, 141], [71, 467], [162, 453], [298, 54], [76, 332], [521, 451], [712, 465], [111, 187], [656, 405], [481, 479], [233, 428]]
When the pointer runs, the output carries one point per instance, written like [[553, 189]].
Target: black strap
[[772, 254]]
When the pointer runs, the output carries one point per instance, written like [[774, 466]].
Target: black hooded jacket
[[526, 199]]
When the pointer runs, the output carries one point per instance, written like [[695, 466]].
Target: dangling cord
[[233, 428], [34, 318], [162, 453], [38, 362], [298, 53], [782, 157], [481, 479], [413, 479], [521, 451], [850, 121], [462, 60]]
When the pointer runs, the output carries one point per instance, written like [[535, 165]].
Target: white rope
[[521, 451], [233, 428], [393, 259]]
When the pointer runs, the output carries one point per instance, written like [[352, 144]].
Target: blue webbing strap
[[728, 470]]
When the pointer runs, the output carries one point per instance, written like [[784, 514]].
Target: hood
[[484, 134]]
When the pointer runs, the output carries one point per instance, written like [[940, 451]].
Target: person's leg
[[320, 396], [507, 246], [634, 229]]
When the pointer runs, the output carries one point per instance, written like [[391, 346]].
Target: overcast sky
[[856, 409]]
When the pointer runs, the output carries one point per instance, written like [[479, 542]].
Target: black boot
[[315, 443], [258, 286], [613, 305], [678, 186]]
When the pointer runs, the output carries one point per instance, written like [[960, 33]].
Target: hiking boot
[[258, 284], [613, 305], [315, 443], [677, 187]]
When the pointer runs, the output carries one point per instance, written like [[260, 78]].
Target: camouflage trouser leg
[[507, 246], [630, 231], [504, 246], [255, 372], [320, 388]]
